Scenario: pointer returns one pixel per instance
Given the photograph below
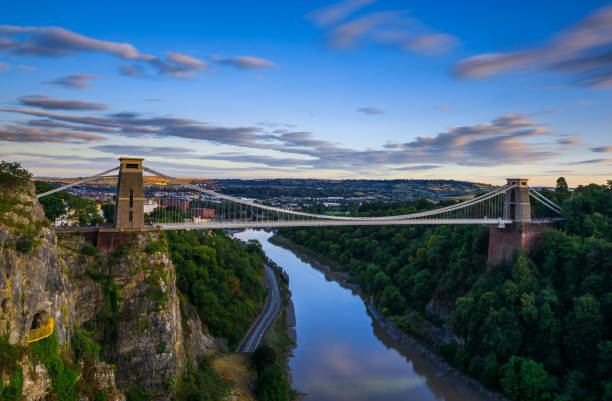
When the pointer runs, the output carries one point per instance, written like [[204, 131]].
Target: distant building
[[203, 213], [149, 205], [180, 204]]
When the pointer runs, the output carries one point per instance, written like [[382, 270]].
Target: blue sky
[[352, 89]]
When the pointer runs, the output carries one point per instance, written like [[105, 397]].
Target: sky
[[472, 90]]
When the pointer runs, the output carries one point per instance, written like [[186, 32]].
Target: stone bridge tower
[[523, 233], [129, 206]]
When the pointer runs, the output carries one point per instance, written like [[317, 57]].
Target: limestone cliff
[[127, 299]]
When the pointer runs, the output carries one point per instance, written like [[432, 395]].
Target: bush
[[263, 357], [63, 379], [12, 176], [12, 391], [83, 346], [24, 243], [89, 250], [201, 383], [272, 385]]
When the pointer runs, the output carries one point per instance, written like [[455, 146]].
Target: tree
[[562, 188], [108, 209], [12, 176], [263, 357], [524, 379], [272, 385]]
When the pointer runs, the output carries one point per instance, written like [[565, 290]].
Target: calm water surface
[[342, 353]]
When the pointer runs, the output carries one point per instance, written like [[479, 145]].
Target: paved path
[[264, 321]]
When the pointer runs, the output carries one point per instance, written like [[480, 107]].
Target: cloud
[[569, 141], [582, 102], [243, 62], [337, 12], [509, 139], [56, 41], [592, 161], [370, 110], [50, 103], [418, 167], [154, 99], [442, 106], [4, 66], [132, 70], [602, 149], [75, 81], [28, 68], [388, 28], [584, 50], [161, 151], [14, 133]]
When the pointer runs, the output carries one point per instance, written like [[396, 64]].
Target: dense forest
[[220, 278], [538, 328]]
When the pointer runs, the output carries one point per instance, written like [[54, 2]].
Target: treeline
[[220, 278], [538, 328]]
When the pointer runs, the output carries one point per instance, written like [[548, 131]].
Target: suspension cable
[[79, 182]]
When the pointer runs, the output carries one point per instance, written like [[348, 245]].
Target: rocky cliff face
[[128, 299]]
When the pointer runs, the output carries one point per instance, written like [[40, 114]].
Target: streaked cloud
[[387, 27], [370, 110], [243, 62], [337, 12], [4, 66], [442, 106], [28, 68], [50, 103], [132, 70], [583, 51], [57, 41], [569, 141], [418, 167], [592, 161], [75, 81], [20, 134], [583, 102], [506, 140], [130, 150], [602, 149]]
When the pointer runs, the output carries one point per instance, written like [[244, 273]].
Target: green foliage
[[84, 211], [24, 244], [89, 250], [108, 209], [137, 394], [13, 389], [272, 384], [201, 383], [525, 380], [220, 278], [263, 357], [13, 177], [63, 378], [9, 359], [83, 346], [155, 246]]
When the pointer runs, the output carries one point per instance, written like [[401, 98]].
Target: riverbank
[[422, 339]]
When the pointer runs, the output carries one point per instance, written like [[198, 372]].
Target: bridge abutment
[[504, 241]]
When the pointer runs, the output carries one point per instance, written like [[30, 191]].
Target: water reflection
[[342, 353]]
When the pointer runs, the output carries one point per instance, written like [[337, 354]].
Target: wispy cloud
[[507, 139], [138, 150], [243, 62], [57, 41], [602, 149], [20, 134], [592, 161], [27, 68], [50, 103], [584, 51], [370, 110], [387, 27], [75, 81], [418, 167], [4, 66], [442, 106]]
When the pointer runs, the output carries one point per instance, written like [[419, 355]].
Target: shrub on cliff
[[272, 385], [12, 176]]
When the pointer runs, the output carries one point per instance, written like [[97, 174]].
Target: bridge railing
[[41, 332]]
